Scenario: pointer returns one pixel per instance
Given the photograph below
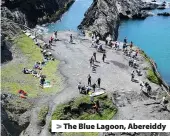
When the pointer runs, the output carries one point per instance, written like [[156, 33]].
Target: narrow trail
[[115, 76]]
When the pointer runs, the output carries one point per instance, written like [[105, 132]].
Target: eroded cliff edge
[[104, 16]]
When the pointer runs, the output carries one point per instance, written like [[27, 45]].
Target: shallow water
[[72, 18], [151, 34]]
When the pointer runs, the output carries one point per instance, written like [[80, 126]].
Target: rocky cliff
[[104, 15], [32, 12]]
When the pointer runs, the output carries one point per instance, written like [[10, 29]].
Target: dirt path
[[115, 77]]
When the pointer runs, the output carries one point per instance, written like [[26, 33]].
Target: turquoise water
[[72, 18], [153, 36]]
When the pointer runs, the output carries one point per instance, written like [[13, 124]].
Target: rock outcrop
[[33, 12], [104, 15], [15, 114], [164, 14]]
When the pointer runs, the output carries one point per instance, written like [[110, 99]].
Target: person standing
[[104, 56], [94, 87], [55, 34], [89, 80], [131, 44], [79, 87], [71, 38], [98, 82], [125, 40]]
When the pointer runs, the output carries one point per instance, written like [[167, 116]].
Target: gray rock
[[164, 14]]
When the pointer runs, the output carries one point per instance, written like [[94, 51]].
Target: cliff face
[[32, 12], [104, 15]]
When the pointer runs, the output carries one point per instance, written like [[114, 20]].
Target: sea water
[[153, 36], [72, 18]]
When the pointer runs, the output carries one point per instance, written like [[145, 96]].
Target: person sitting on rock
[[42, 81], [164, 101], [139, 72], [149, 89], [146, 84], [83, 90], [131, 63], [142, 85], [87, 90], [135, 64]]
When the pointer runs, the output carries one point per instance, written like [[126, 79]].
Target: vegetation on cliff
[[82, 109], [26, 54]]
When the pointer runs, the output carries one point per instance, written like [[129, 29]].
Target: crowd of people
[[127, 50], [36, 71]]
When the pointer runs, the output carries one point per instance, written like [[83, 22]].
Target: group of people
[[145, 87], [86, 89], [96, 43], [36, 71]]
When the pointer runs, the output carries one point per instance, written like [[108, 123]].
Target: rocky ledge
[[104, 15], [164, 14]]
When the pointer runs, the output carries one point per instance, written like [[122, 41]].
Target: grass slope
[[12, 77], [151, 75]]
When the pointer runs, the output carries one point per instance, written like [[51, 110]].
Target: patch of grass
[[42, 114], [152, 77], [145, 56], [82, 109], [13, 79]]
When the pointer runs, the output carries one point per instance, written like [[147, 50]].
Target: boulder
[[164, 14]]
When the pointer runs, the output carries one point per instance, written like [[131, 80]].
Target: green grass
[[145, 56], [42, 114], [13, 79], [65, 111], [152, 76], [150, 73]]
